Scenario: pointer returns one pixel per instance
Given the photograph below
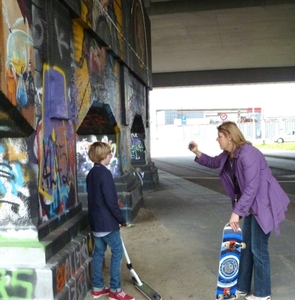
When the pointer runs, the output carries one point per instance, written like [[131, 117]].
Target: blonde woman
[[256, 197]]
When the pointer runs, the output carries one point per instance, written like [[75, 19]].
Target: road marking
[[200, 177], [286, 180]]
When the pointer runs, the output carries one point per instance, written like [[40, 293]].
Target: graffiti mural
[[84, 164], [57, 167], [19, 65], [17, 284], [85, 57], [57, 73], [137, 147], [18, 206]]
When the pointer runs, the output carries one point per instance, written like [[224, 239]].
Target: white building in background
[[179, 112], [274, 98]]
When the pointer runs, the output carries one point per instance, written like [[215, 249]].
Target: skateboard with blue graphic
[[230, 253]]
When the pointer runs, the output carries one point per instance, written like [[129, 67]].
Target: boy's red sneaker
[[97, 294], [120, 296]]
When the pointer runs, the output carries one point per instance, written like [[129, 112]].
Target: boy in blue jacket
[[105, 219]]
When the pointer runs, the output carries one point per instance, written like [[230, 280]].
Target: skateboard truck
[[226, 295], [233, 245]]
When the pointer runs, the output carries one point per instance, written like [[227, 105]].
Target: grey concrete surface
[[221, 42], [175, 239]]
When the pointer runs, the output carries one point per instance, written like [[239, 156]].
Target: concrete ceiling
[[222, 41]]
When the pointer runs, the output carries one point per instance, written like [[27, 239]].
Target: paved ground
[[175, 239]]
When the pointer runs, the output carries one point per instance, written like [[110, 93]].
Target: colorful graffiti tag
[[84, 164], [19, 65], [21, 284], [16, 179]]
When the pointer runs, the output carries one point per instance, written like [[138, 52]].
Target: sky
[[275, 99]]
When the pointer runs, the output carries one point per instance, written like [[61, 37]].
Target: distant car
[[286, 137]]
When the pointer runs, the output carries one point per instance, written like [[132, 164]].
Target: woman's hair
[[99, 151], [231, 128]]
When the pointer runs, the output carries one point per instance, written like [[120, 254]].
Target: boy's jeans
[[113, 240], [254, 258]]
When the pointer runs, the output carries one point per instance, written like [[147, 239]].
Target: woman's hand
[[192, 145], [194, 148], [234, 222]]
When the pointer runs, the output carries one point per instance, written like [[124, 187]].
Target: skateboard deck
[[230, 252], [146, 289]]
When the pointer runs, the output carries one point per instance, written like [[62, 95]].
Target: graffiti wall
[[17, 63], [72, 72], [56, 160], [58, 63], [18, 205], [22, 282], [66, 276]]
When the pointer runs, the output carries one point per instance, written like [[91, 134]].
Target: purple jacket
[[261, 193]]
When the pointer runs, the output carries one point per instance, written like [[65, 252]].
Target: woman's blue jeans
[[113, 240], [254, 260]]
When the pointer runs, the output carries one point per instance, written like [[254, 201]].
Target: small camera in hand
[[191, 146]]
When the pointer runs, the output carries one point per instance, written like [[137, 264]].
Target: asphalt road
[[186, 168]]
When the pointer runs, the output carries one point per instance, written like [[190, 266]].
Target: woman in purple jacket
[[256, 196]]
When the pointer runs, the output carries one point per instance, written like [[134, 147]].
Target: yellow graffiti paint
[[19, 64], [16, 154], [81, 74], [119, 18]]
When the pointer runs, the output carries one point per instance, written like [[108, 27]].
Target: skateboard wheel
[[220, 297], [243, 246]]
